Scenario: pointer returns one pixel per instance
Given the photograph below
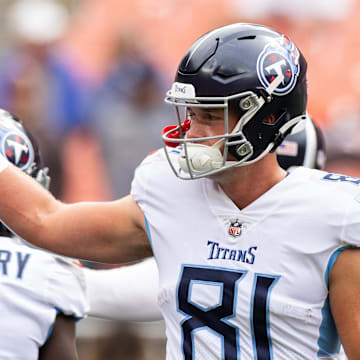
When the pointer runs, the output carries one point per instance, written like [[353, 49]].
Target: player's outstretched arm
[[344, 292], [101, 231], [128, 293]]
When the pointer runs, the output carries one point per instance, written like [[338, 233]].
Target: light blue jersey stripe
[[329, 342], [149, 234]]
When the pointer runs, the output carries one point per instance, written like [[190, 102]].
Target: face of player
[[207, 122]]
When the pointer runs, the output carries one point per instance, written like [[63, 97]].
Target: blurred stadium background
[[88, 77]]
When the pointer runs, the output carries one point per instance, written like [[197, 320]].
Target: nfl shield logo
[[235, 228]]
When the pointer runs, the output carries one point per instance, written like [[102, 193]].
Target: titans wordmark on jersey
[[261, 295]]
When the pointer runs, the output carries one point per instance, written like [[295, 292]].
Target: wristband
[[4, 163]]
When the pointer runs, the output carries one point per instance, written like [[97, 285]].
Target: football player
[[253, 262], [42, 295], [130, 293]]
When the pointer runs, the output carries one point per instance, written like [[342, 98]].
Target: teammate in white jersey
[[253, 263], [42, 295]]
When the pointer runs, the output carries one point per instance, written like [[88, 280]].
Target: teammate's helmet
[[306, 147], [250, 70], [19, 147]]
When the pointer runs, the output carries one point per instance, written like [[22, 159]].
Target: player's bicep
[[344, 291], [111, 232], [128, 228]]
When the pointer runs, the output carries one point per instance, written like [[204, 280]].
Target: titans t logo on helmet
[[279, 58], [18, 150]]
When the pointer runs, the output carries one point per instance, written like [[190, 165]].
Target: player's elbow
[[43, 228]]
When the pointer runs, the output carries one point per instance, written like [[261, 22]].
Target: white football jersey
[[251, 283], [35, 286]]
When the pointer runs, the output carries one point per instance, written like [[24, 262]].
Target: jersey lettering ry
[[21, 260], [215, 318]]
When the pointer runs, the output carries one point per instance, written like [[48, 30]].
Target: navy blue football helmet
[[305, 147], [20, 148], [250, 70]]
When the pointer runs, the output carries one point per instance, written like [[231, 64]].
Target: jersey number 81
[[215, 318]]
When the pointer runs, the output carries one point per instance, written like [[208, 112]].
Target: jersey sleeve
[[150, 180], [351, 227], [67, 288], [138, 185], [128, 293], [140, 182]]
